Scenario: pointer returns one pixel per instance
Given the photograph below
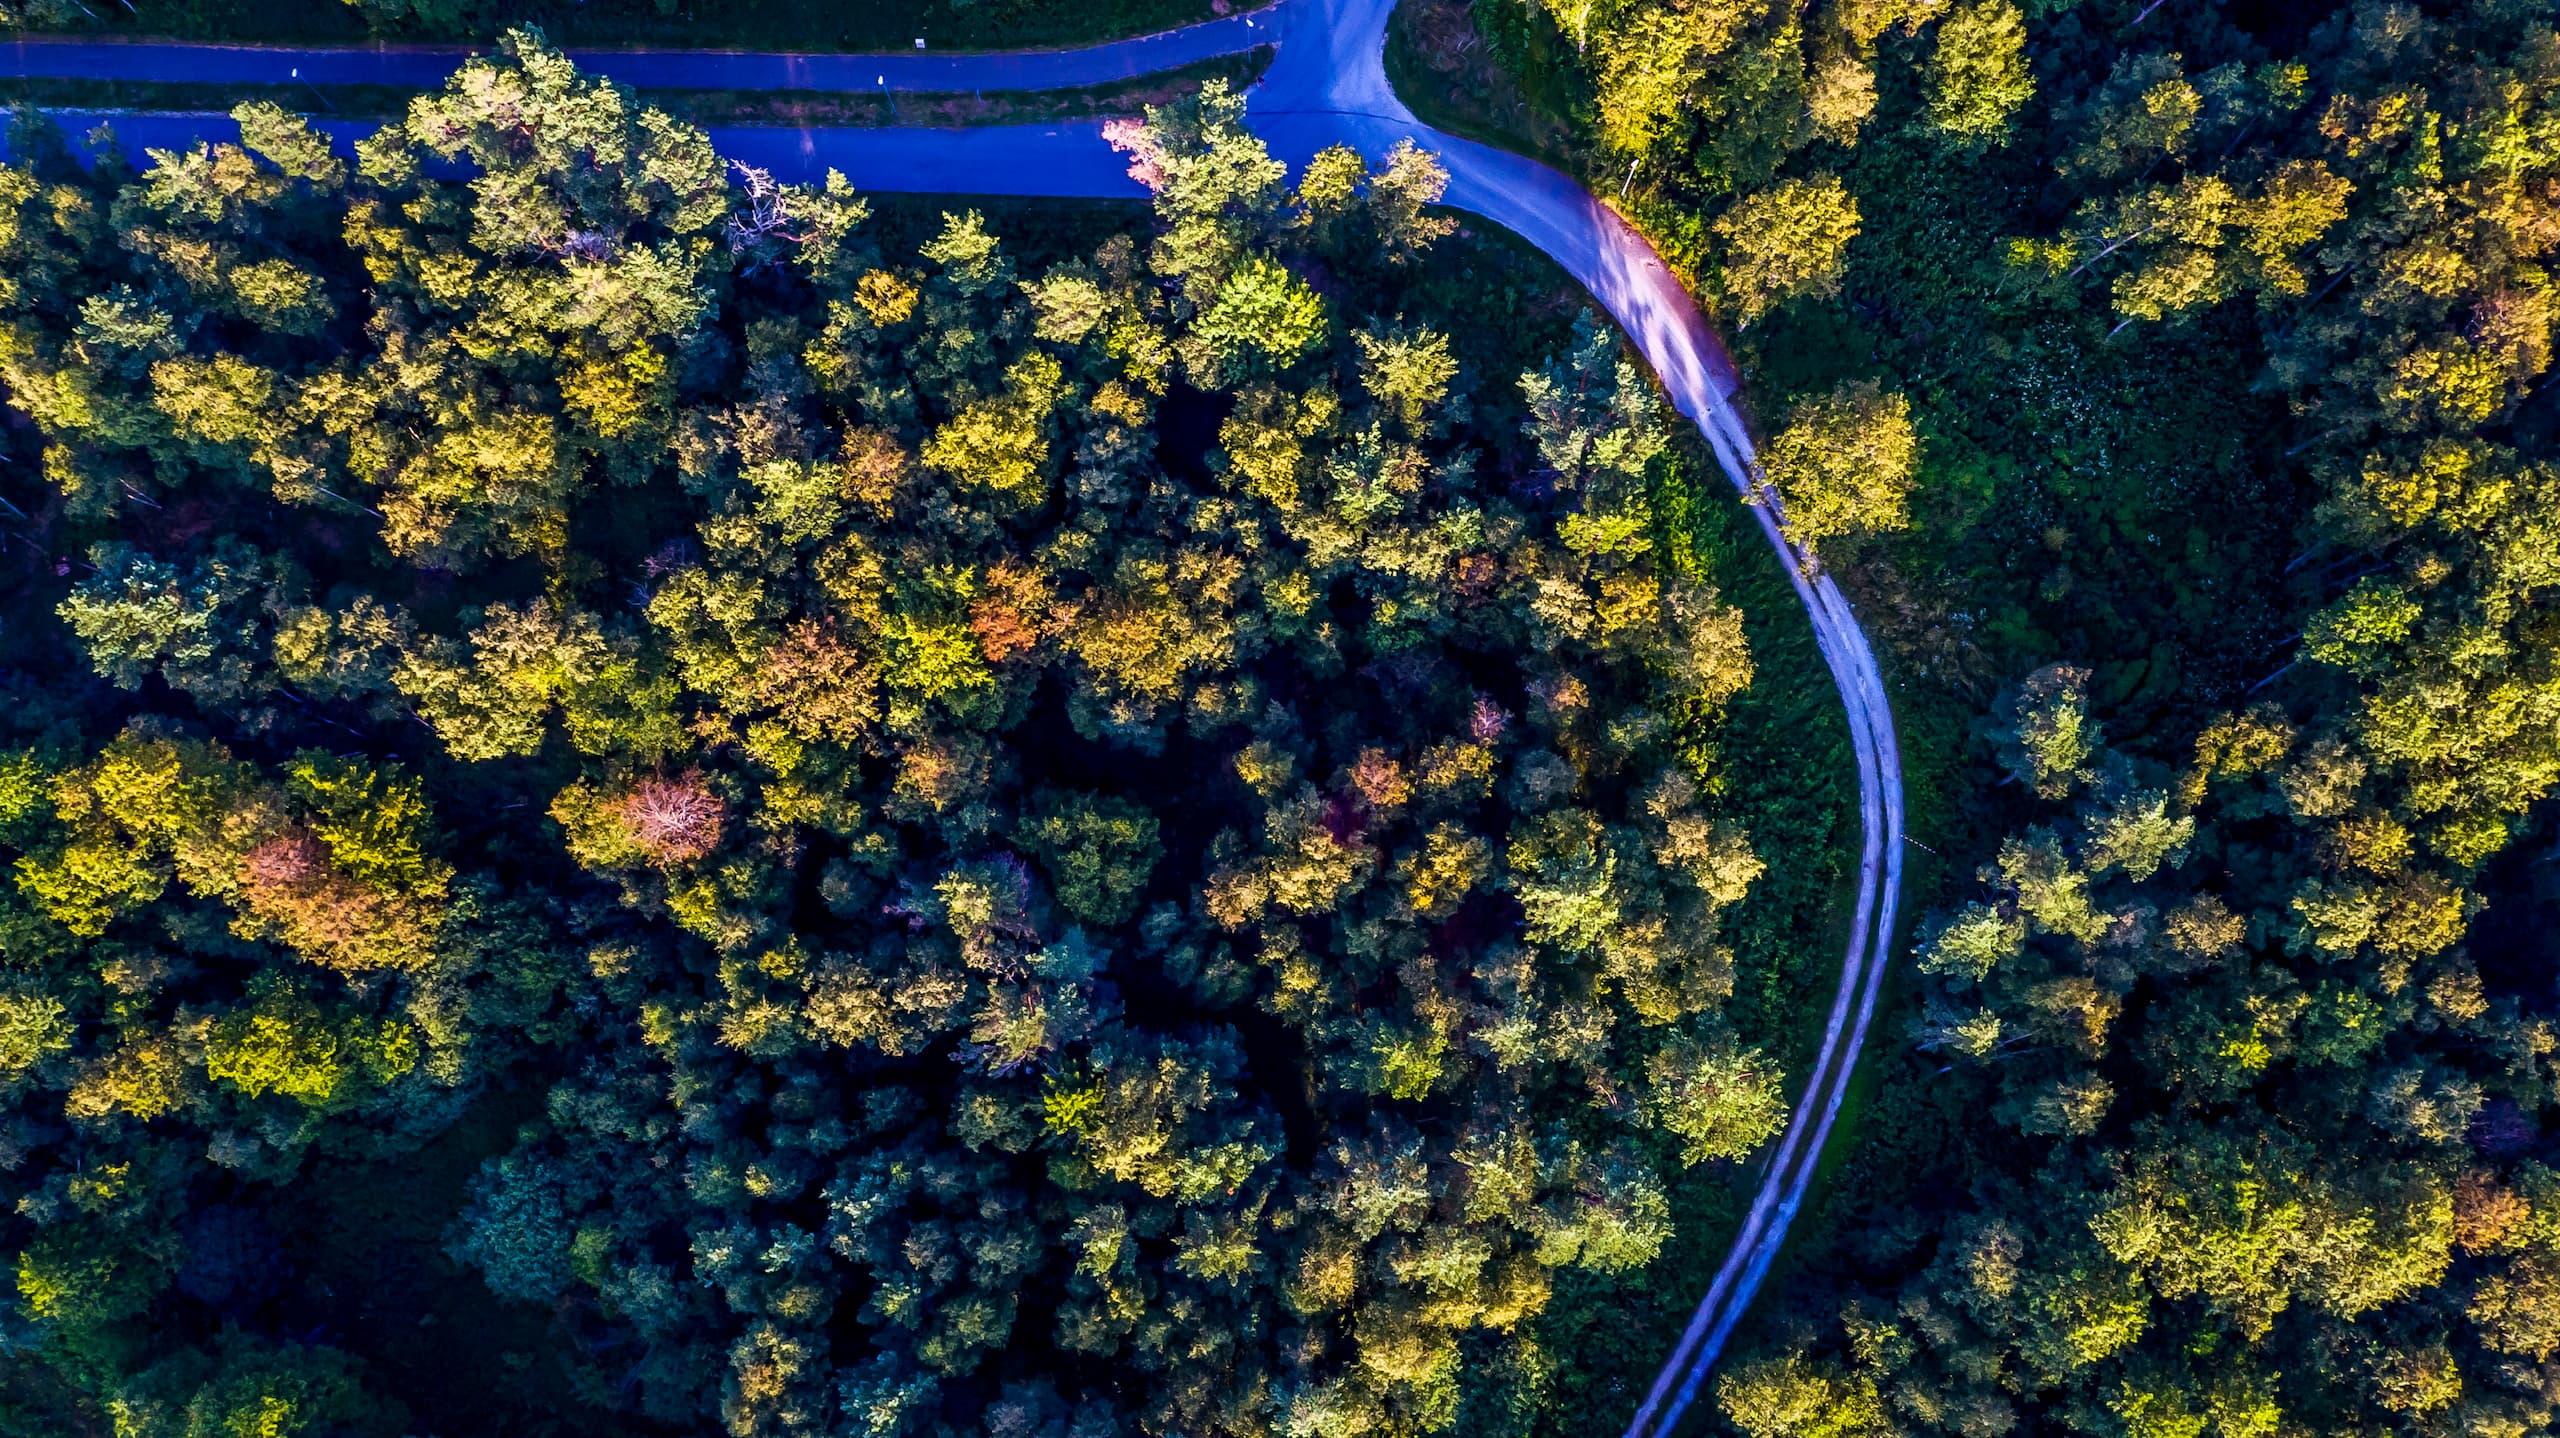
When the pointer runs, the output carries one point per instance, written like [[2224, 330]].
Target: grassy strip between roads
[[779, 108], [1447, 74], [701, 24]]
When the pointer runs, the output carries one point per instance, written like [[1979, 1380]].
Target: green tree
[[290, 1048], [1977, 72], [1217, 189], [1843, 464], [197, 628], [1098, 851], [2048, 739], [1787, 242], [1790, 1397], [1722, 1102], [34, 1031], [1263, 320], [1412, 180]]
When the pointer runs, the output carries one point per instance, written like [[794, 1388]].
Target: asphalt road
[[1326, 85], [424, 67]]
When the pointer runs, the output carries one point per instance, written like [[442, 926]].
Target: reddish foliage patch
[[287, 862], [1381, 781], [817, 682], [675, 820], [289, 883]]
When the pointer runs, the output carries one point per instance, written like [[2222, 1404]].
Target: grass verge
[[1448, 73], [710, 24]]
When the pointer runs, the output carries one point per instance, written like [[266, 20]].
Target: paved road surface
[[423, 67], [1326, 85]]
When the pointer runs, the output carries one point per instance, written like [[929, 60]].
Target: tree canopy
[[1120, 844]]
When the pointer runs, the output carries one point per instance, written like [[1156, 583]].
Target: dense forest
[[722, 807], [2224, 618], [1135, 844]]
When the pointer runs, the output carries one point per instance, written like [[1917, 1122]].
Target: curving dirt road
[[1327, 85]]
